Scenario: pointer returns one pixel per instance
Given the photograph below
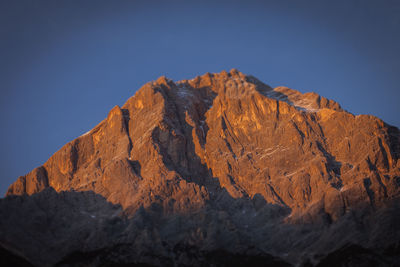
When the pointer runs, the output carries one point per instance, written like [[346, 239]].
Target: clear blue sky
[[65, 64]]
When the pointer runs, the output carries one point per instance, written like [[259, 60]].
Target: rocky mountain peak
[[233, 153]]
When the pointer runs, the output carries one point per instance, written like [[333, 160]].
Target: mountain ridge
[[231, 151]]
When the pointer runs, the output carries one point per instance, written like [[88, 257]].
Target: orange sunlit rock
[[227, 125]]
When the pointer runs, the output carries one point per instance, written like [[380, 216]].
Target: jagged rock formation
[[218, 165]]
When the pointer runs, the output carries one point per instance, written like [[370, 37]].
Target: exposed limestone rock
[[225, 162]]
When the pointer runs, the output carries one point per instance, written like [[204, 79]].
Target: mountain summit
[[218, 170]]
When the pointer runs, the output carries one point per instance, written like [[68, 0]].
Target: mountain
[[218, 170]]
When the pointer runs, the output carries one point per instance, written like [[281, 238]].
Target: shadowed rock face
[[218, 164]]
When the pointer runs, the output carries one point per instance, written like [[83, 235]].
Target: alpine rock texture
[[219, 170]]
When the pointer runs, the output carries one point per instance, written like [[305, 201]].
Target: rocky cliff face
[[218, 164]]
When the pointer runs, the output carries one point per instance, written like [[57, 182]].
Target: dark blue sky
[[65, 64]]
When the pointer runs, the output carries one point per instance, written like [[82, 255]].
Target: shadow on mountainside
[[45, 226], [8, 258], [81, 228]]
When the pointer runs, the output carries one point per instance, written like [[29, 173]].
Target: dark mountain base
[[101, 235], [7, 258], [112, 257], [354, 255]]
